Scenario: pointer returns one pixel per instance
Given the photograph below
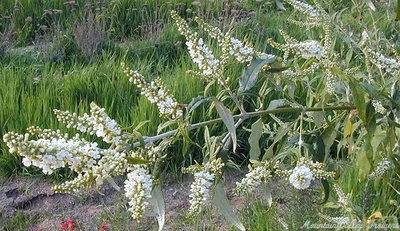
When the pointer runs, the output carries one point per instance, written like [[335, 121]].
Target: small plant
[[90, 35], [342, 95], [49, 45], [7, 36]]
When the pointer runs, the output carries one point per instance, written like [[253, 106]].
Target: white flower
[[381, 168], [343, 200], [155, 92], [255, 177], [138, 188], [305, 8], [200, 191], [301, 177], [383, 62], [379, 107], [310, 49]]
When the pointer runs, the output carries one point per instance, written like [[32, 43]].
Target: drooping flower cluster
[[309, 49], [243, 52], [50, 150], [53, 150], [200, 53], [256, 176], [390, 65], [379, 107], [305, 8], [203, 179], [98, 123], [343, 200], [306, 49], [156, 93], [321, 50], [138, 187], [381, 168]]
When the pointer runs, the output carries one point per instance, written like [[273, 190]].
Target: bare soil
[[30, 199]]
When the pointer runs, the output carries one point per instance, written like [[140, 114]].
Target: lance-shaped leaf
[[359, 99], [250, 75], [370, 4], [227, 118], [255, 135], [157, 202], [196, 102], [398, 11], [274, 104], [319, 154], [224, 206], [325, 185], [279, 4], [136, 160], [268, 194], [363, 163]]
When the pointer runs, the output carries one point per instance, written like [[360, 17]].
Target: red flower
[[104, 227], [69, 224]]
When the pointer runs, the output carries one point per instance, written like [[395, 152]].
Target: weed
[[90, 35]]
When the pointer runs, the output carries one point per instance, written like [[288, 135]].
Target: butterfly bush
[[114, 151]]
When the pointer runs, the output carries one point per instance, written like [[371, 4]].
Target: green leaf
[[349, 56], [268, 194], [255, 135], [363, 163], [371, 90], [157, 202], [283, 130], [370, 4], [320, 152], [276, 67], [325, 185], [359, 99], [331, 205], [224, 206], [276, 103], [136, 160], [90, 181], [395, 93], [165, 125], [328, 136], [250, 75], [227, 118], [319, 118], [141, 124], [196, 102], [398, 11], [111, 181], [279, 5], [370, 124]]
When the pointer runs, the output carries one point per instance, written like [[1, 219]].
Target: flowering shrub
[[347, 105]]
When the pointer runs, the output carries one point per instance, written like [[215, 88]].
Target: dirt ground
[[32, 197]]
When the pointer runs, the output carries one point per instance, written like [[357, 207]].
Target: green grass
[[21, 221]]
